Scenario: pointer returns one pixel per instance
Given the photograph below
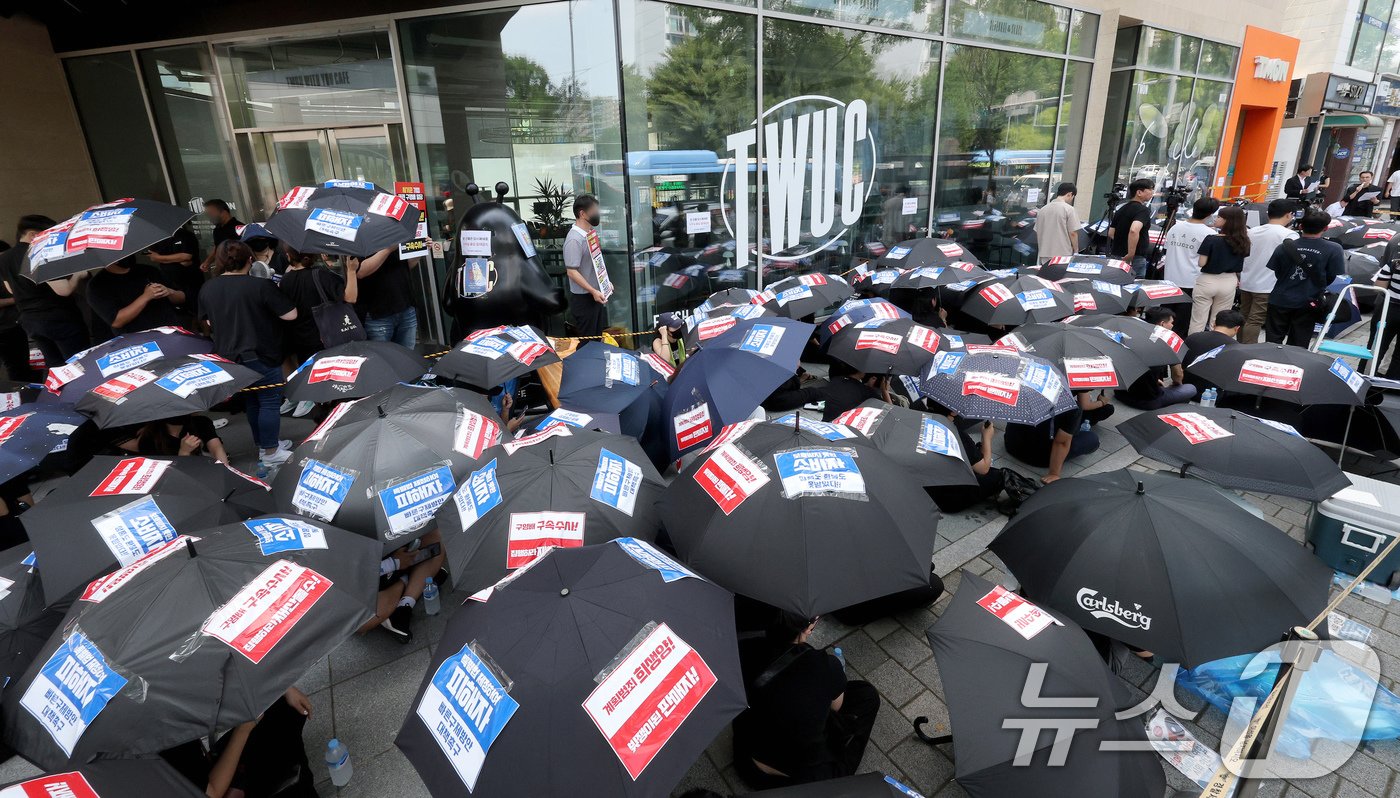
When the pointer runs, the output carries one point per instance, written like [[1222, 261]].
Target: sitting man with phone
[[403, 576]]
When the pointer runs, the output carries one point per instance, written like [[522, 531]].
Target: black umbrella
[[1279, 371], [785, 516], [599, 420], [1097, 296], [561, 486], [26, 618], [925, 446], [876, 283], [1017, 299], [117, 509], [1163, 564], [804, 294], [1090, 357], [938, 276], [201, 634], [866, 785], [165, 388], [858, 310], [382, 465], [1003, 385], [918, 252], [701, 327], [604, 377], [604, 670], [889, 346], [989, 643], [31, 432], [1094, 267], [1157, 346], [487, 358], [1359, 235], [90, 368], [109, 778], [353, 370], [1235, 450], [1152, 293], [342, 217], [729, 297], [101, 236]]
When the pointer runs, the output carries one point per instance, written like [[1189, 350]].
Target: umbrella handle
[[1184, 466], [919, 732]]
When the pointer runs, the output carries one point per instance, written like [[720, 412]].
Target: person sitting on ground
[[845, 389], [403, 575], [181, 436], [1224, 333], [806, 722], [1147, 392], [668, 343], [956, 498], [1066, 436], [263, 758]]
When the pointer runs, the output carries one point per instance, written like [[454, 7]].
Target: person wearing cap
[[668, 344]]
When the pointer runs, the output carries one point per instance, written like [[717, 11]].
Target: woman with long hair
[[1222, 259]]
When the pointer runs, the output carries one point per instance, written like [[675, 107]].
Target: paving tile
[[1369, 773], [896, 685], [927, 673], [702, 775], [17, 769], [318, 731], [907, 649], [389, 773], [928, 705], [372, 650], [370, 707], [890, 729], [880, 627], [927, 768], [950, 790], [874, 761], [316, 678]]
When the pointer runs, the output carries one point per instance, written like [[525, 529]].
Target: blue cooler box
[[1350, 529]]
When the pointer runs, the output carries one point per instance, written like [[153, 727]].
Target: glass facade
[[730, 144]]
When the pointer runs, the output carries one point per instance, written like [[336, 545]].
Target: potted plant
[[550, 209]]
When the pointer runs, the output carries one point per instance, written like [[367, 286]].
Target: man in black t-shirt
[[1224, 333], [177, 257], [386, 298], [225, 228], [845, 390], [47, 311], [130, 297], [1127, 233]]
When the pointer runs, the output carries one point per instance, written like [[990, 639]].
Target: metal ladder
[[1368, 358]]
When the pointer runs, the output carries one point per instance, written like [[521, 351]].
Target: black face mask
[[594, 219]]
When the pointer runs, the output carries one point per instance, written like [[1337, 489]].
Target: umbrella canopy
[[1359, 235], [938, 276], [1157, 346], [1230, 448], [594, 644], [381, 466], [866, 785], [785, 516], [109, 778], [90, 368], [488, 358], [1017, 299], [1279, 371], [26, 618], [29, 433], [1092, 295], [1091, 358], [599, 420], [342, 217], [1092, 267], [727, 380], [200, 634], [986, 644], [858, 310], [353, 370], [997, 386], [804, 294], [923, 445], [700, 327], [876, 283], [1152, 293], [918, 252], [604, 377], [561, 486], [1163, 564], [164, 388], [729, 297], [889, 346], [101, 236], [117, 509]]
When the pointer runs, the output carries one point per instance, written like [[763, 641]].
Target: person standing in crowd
[[1353, 198], [225, 227], [583, 262], [1224, 333], [1128, 232], [1057, 225], [308, 283], [1386, 278], [243, 314], [386, 298], [1222, 259], [130, 297], [1296, 188], [1304, 269], [894, 217], [1257, 279], [1181, 265], [805, 722], [14, 344], [177, 257], [1148, 392], [1392, 190], [47, 311]]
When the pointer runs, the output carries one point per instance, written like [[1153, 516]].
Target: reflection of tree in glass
[[693, 95], [541, 107]]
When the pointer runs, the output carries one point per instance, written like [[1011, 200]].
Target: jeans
[[264, 407], [1140, 267], [401, 327], [1170, 395]]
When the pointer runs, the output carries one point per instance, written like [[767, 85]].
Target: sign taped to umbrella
[[730, 476], [72, 689], [187, 379], [322, 488], [409, 503], [475, 434], [646, 693], [1196, 428], [652, 557], [276, 535], [1024, 617], [465, 707], [102, 587], [133, 475], [820, 472], [532, 534], [116, 389], [126, 358], [479, 494], [616, 482], [266, 610], [58, 785], [134, 530]]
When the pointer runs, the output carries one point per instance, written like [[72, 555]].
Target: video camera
[[1175, 195], [1119, 192]]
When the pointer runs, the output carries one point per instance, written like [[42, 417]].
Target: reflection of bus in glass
[[963, 178]]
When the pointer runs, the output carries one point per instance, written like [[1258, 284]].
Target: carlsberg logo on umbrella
[[1100, 606], [817, 147]]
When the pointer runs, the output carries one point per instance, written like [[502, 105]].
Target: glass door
[[364, 154], [299, 158]]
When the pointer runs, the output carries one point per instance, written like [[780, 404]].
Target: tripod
[[1100, 228]]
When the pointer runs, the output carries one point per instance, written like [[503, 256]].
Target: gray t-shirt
[[577, 256]]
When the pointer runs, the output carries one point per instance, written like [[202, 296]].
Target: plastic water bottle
[[338, 763], [431, 604], [1208, 398], [836, 652]]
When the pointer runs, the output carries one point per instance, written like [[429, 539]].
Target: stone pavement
[[363, 690]]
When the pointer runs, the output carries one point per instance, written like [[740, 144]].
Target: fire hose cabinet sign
[[1354, 526]]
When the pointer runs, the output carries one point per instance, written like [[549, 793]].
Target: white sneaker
[[276, 458], [302, 409], [286, 407], [285, 445]]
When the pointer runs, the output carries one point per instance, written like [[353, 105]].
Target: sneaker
[[220, 423], [285, 444], [303, 409], [286, 407], [276, 458], [397, 624]]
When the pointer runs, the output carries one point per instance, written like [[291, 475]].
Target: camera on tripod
[[1119, 192], [1175, 195]]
